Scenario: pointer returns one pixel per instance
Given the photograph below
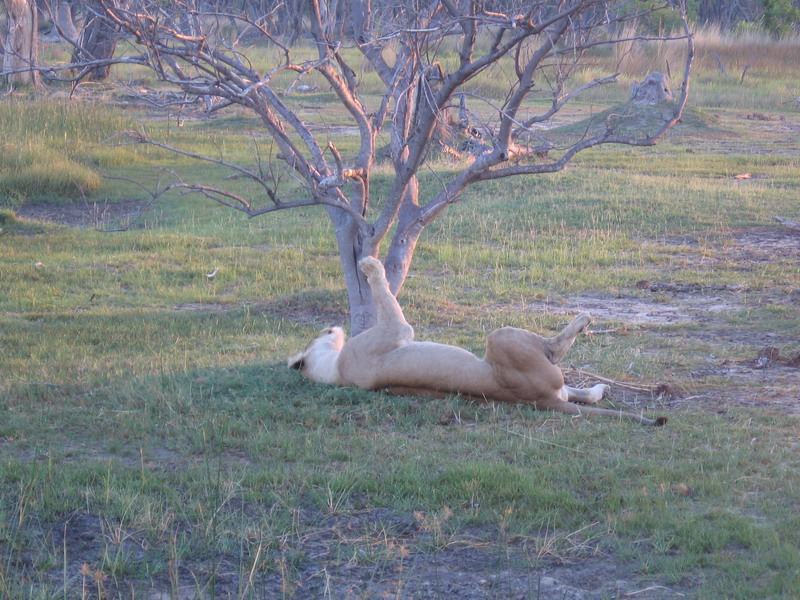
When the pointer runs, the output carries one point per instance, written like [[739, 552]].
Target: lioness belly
[[432, 367]]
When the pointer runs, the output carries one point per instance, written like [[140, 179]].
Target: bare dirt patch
[[100, 215], [666, 302], [633, 310], [764, 373]]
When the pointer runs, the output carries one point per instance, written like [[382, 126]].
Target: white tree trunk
[[21, 43]]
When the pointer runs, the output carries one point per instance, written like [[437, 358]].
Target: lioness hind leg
[[558, 346], [591, 395]]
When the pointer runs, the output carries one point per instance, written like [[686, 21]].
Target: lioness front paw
[[371, 267]]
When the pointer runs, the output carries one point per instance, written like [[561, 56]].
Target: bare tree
[[21, 44], [406, 44]]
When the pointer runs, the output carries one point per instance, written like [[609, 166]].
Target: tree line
[[83, 24]]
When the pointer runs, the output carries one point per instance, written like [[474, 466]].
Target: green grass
[[53, 150], [152, 441]]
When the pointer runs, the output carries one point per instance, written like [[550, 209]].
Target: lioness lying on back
[[519, 365]]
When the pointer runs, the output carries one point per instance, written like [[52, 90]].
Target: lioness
[[519, 365]]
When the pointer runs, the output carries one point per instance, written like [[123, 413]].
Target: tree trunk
[[354, 245], [404, 242], [97, 41], [21, 43], [63, 21], [351, 250]]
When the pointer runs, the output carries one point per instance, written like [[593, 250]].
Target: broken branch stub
[[654, 89]]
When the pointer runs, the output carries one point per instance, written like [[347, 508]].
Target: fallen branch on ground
[[788, 223], [658, 389]]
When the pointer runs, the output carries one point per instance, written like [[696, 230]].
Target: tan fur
[[318, 361], [518, 366]]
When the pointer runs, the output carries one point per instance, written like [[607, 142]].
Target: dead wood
[[795, 225], [661, 390], [770, 355]]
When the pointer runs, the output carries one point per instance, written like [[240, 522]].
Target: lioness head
[[318, 361]]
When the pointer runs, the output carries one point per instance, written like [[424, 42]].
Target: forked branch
[[538, 45]]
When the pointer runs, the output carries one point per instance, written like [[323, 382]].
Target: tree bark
[[401, 249], [21, 44], [352, 249]]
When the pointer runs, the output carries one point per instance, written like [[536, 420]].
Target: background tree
[[60, 13], [426, 55], [724, 13], [96, 42], [21, 44]]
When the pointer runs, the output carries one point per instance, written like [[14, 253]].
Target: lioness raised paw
[[371, 267]]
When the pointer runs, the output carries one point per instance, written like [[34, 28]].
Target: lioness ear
[[297, 361]]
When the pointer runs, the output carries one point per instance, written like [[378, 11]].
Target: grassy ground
[[153, 445]]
